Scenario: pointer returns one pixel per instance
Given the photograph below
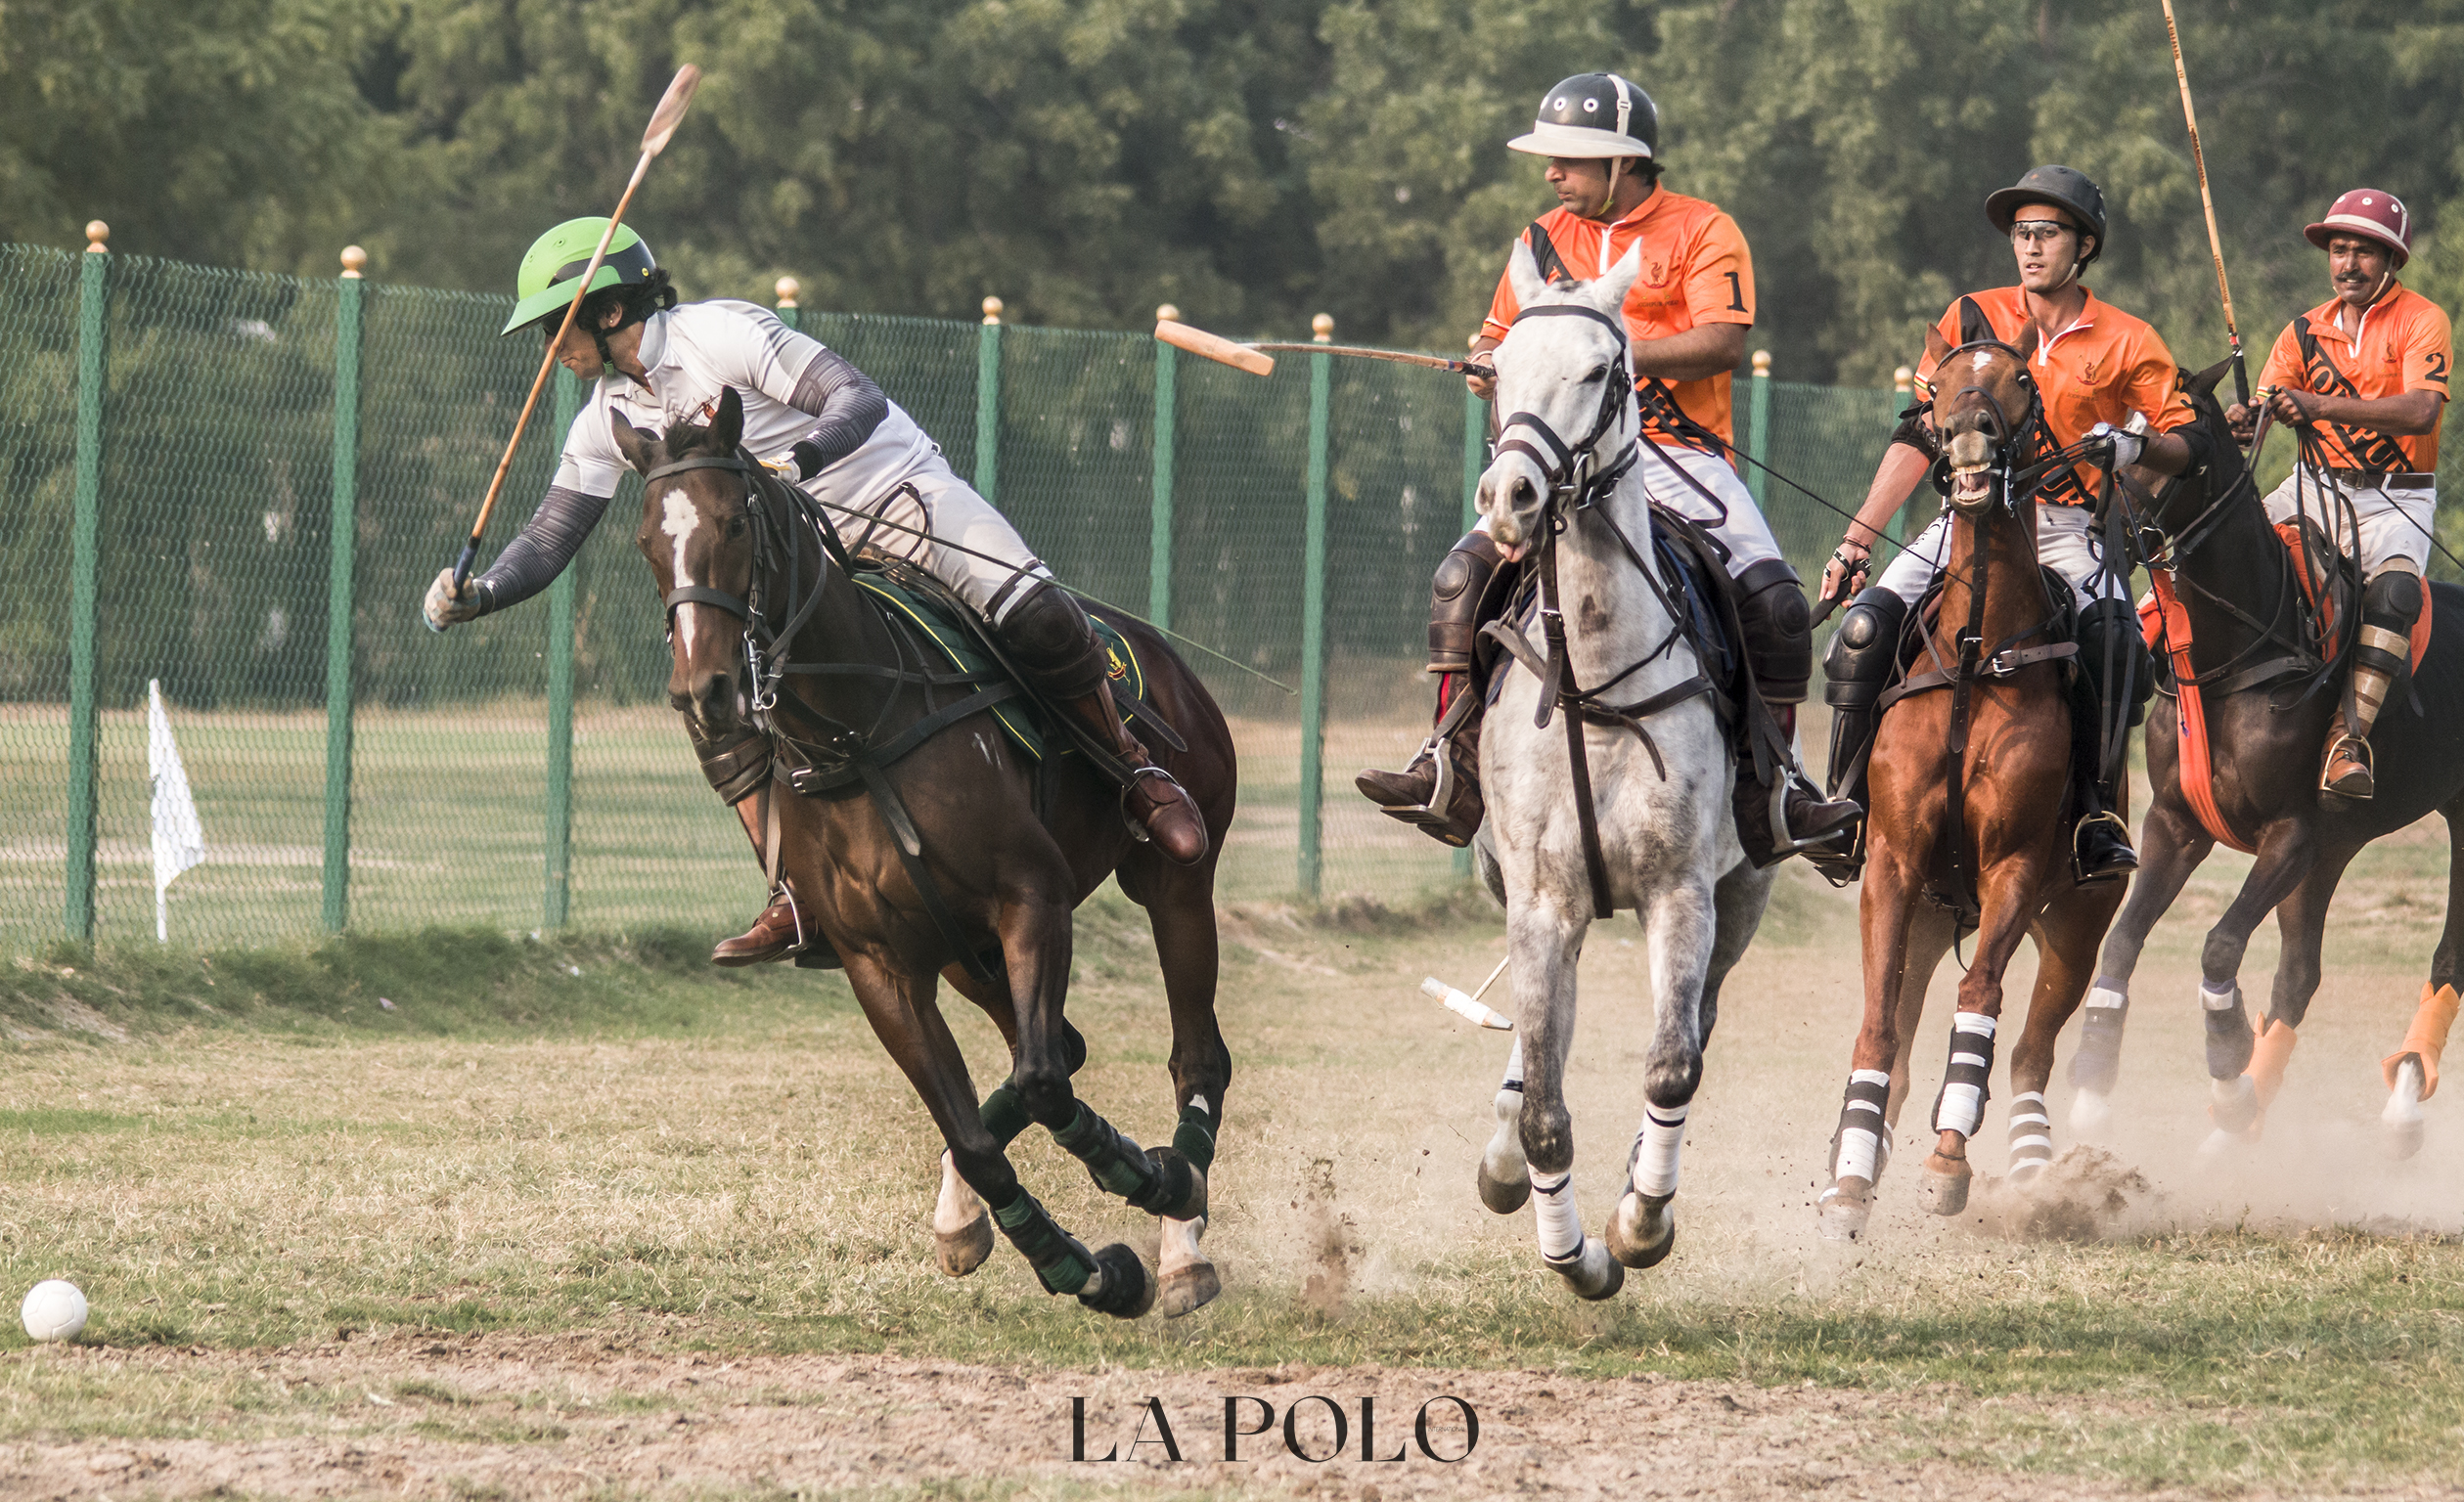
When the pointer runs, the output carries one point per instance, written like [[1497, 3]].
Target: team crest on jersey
[[2089, 374], [1655, 273]]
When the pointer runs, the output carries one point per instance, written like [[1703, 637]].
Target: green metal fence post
[[1159, 524], [1758, 443], [558, 905], [341, 556], [988, 402], [86, 593], [789, 288], [1313, 618]]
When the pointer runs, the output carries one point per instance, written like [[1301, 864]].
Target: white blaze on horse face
[[678, 519], [1983, 361]]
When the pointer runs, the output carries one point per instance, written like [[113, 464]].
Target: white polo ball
[[54, 1311]]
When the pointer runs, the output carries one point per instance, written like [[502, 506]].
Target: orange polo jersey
[[2104, 367], [2403, 345], [1695, 270]]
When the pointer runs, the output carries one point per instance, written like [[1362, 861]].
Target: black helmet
[[2062, 187], [1596, 116]]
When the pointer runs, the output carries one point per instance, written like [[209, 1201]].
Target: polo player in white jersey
[[822, 423]]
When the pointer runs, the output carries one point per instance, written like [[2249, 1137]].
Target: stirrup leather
[[2358, 747]]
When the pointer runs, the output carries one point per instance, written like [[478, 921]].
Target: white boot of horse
[[2031, 1139], [1859, 1149], [1957, 1114], [1583, 1261], [1643, 1231], [1187, 1278], [961, 1227], [1505, 1180], [2098, 1062]]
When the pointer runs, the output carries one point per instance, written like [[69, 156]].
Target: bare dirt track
[[581, 1418]]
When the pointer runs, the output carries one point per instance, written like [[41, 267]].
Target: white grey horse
[[1660, 782]]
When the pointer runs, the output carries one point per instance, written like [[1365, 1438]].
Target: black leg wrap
[[1118, 1164], [1005, 1114], [1778, 630], [1194, 1138], [1960, 1107], [1862, 1119], [1128, 1290], [2098, 1062], [1061, 1262], [1464, 594], [1048, 637]]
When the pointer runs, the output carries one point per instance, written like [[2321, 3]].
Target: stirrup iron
[[2360, 745], [803, 936], [2078, 842]]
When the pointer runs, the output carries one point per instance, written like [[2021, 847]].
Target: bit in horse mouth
[[1970, 484]]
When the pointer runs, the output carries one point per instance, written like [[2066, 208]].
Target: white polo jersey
[[696, 350]]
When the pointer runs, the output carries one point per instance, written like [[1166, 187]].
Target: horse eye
[[1599, 373], [735, 528]]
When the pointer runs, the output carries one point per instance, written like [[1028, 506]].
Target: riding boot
[[1442, 798], [1160, 810], [1802, 817], [773, 936], [2100, 841], [1440, 791], [2348, 770]]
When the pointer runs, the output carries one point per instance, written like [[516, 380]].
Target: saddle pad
[[935, 623], [1695, 592]]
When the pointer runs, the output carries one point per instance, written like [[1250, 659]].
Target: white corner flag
[[179, 841]]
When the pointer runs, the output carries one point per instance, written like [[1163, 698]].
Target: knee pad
[[1864, 650], [1053, 645], [1778, 630], [1459, 602], [2111, 628], [735, 765], [2390, 605]]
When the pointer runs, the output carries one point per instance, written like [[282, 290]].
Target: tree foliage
[[1252, 160]]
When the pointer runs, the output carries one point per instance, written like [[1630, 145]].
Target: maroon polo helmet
[[2370, 212]]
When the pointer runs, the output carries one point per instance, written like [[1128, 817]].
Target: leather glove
[[443, 607], [2127, 446]]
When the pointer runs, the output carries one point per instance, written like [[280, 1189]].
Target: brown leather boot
[[773, 936], [1451, 813], [1157, 806], [2347, 771]]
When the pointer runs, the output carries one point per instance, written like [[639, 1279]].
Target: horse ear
[[2026, 343], [633, 443], [727, 427], [1937, 348], [2204, 383], [1522, 270], [1613, 283]]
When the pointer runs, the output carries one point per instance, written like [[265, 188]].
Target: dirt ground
[[597, 1419]]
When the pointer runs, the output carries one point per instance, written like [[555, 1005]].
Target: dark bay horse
[[926, 850], [2263, 727], [1970, 785]]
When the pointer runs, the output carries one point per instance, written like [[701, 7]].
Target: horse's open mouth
[[1970, 487]]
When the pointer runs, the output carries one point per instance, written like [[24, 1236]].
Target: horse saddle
[[2331, 586]]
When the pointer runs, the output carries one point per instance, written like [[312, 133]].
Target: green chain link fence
[[239, 485]]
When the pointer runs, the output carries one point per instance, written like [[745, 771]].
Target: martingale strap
[[2198, 770]]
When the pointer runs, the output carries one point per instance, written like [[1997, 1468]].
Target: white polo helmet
[[1593, 115]]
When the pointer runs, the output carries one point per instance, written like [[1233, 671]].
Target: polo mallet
[[1259, 359], [2206, 200], [664, 122], [1470, 1007]]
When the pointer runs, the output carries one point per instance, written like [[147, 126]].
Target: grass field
[[583, 1218]]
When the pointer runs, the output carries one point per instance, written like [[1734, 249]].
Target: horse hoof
[[1843, 1210], [1591, 1272], [2234, 1104], [1502, 1194], [1942, 1189], [1189, 1288], [1123, 1288], [2089, 1111], [961, 1252], [1179, 1190], [1643, 1231]]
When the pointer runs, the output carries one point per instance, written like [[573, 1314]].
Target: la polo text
[[1313, 1427]]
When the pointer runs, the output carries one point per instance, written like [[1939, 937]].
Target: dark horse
[[927, 848], [2265, 701], [1970, 780]]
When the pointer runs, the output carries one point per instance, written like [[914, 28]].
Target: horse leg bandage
[[2099, 1061], [2228, 1030], [1560, 1222], [1960, 1107], [2426, 1039], [1062, 1263], [2031, 1135], [1005, 1114], [2268, 1058], [1194, 1138], [1656, 1145], [1118, 1166], [1863, 1143]]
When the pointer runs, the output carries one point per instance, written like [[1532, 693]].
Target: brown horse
[[1970, 784], [931, 845]]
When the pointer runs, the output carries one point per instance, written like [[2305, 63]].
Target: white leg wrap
[[1560, 1224], [2219, 1000], [1514, 1067], [2031, 1135], [1656, 1148], [1961, 1108], [1863, 1141], [2107, 996]]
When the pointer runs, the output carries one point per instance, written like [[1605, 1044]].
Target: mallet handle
[[2207, 201]]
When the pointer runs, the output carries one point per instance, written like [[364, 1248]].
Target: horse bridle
[[1570, 468]]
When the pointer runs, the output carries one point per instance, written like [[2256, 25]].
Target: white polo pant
[[2066, 543], [991, 568], [2387, 523]]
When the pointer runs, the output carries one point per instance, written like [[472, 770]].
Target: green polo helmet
[[552, 266]]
